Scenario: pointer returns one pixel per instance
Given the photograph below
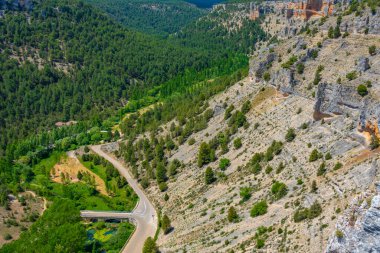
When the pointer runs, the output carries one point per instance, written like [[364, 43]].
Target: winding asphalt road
[[144, 213]]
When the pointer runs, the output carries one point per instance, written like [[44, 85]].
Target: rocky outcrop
[[359, 228], [284, 80], [367, 23], [363, 64], [260, 64], [333, 98], [339, 99]]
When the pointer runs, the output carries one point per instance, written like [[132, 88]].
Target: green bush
[[166, 224], [362, 90], [300, 68], [339, 234], [338, 165], [290, 135], [237, 143], [308, 213], [209, 176], [150, 246], [224, 163], [372, 50], [279, 190], [246, 107], [162, 186], [314, 155], [260, 208], [260, 243], [245, 193], [352, 75], [266, 76], [232, 215], [191, 141], [290, 62], [321, 169], [7, 237]]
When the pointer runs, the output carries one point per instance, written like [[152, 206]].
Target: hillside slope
[[287, 148]]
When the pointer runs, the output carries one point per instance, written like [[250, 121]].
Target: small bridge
[[108, 216]]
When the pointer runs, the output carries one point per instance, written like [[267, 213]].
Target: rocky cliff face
[[336, 99], [359, 228]]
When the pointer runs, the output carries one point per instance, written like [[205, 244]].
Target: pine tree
[[150, 246], [166, 224]]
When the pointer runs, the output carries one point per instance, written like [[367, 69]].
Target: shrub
[[266, 76], [338, 165], [314, 155], [166, 224], [290, 135], [314, 187], [260, 243], [339, 234], [162, 186], [352, 75], [191, 141], [317, 76], [144, 182], [228, 112], [321, 169], [290, 62], [315, 210], [260, 208], [209, 176], [268, 169], [232, 215], [245, 193], [246, 107], [279, 190], [328, 156], [362, 90], [274, 149], [314, 54], [237, 143], [280, 168], [372, 50], [224, 163], [150, 246], [7, 237], [374, 143], [300, 68]]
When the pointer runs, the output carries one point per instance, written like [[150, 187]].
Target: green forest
[[162, 17], [69, 61]]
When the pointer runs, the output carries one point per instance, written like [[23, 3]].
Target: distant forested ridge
[[65, 60], [161, 17]]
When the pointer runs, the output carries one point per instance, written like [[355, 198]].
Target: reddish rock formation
[[305, 9]]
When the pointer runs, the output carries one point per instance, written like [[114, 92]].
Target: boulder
[[363, 64]]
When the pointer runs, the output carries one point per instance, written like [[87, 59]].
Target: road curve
[[144, 214]]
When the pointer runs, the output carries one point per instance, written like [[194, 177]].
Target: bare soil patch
[[71, 166]]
